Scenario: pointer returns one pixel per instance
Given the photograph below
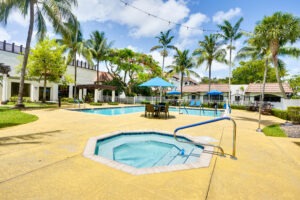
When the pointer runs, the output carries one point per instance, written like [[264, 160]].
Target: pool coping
[[89, 152]]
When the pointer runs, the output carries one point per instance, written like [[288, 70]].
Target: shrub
[[15, 99], [282, 114], [239, 107], [113, 103], [65, 99], [95, 104], [145, 102], [294, 114]]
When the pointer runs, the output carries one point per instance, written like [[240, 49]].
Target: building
[[86, 79]]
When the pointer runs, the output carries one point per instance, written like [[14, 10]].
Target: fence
[[13, 48]]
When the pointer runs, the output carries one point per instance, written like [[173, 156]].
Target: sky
[[136, 24]]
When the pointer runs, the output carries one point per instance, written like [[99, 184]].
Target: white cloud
[[140, 24], [157, 56], [195, 21], [220, 16], [18, 18], [4, 34]]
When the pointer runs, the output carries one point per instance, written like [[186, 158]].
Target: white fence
[[285, 103]]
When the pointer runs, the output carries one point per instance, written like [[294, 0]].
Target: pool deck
[[44, 160]]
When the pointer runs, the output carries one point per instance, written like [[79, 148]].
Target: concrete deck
[[43, 160]]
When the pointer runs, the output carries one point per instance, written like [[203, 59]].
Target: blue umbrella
[[214, 92], [157, 82], [173, 92]]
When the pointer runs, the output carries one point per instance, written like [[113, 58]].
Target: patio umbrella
[[174, 92], [215, 93], [158, 83]]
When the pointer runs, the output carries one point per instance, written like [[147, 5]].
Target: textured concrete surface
[[43, 160]]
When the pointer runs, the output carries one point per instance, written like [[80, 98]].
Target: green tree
[[99, 48], [230, 34], [276, 31], [183, 64], [252, 71], [54, 11], [75, 45], [164, 39], [46, 62], [210, 49], [294, 82]]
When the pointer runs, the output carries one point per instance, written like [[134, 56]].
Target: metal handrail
[[207, 122]]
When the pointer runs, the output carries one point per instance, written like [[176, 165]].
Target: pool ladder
[[233, 156]]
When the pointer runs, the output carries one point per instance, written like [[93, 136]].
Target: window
[[15, 89], [41, 90]]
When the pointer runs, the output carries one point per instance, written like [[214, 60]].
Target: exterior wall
[[84, 76], [285, 103]]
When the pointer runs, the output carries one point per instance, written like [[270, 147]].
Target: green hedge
[[282, 114], [239, 107], [95, 104], [145, 102], [15, 99], [113, 103], [294, 114]]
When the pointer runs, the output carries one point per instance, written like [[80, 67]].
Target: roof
[[204, 88], [269, 88], [189, 79], [104, 76]]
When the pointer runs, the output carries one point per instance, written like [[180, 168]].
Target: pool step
[[168, 157], [194, 155]]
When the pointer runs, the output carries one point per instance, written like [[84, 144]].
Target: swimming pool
[[142, 152], [135, 109]]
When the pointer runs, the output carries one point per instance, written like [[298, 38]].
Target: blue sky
[[131, 28]]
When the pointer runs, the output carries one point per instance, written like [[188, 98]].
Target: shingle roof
[[269, 88], [189, 79], [104, 76], [204, 88]]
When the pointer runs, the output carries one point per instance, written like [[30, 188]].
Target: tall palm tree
[[164, 39], [75, 45], [99, 48], [183, 65], [210, 49], [276, 31], [56, 11], [230, 34]]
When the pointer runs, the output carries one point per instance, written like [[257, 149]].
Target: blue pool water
[[135, 109], [149, 149]]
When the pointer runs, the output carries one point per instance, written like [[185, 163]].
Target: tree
[[230, 34], [164, 39], [294, 82], [55, 12], [252, 71], [130, 67], [46, 62], [210, 50], [99, 48], [183, 65], [75, 44], [276, 31]]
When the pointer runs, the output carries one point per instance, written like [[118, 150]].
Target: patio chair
[[149, 109], [165, 109], [266, 109], [192, 103]]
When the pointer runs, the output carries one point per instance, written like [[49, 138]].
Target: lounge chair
[[266, 109], [198, 104], [192, 103]]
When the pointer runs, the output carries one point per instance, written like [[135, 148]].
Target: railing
[[13, 48], [233, 156]]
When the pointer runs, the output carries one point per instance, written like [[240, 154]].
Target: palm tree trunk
[[97, 72], [75, 77], [209, 79], [26, 54], [275, 61], [229, 78], [181, 85], [163, 65]]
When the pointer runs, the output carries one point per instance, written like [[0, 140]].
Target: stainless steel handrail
[[207, 122]]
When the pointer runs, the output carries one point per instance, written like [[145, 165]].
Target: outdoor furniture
[[192, 103], [149, 109], [165, 109], [266, 109], [198, 104]]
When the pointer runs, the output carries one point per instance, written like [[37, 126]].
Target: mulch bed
[[291, 130]]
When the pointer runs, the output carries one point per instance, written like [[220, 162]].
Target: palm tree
[[276, 31], [164, 39], [210, 50], [183, 65], [75, 44], [230, 34], [55, 11], [99, 48]]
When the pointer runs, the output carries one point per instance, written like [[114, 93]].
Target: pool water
[[150, 149], [135, 109]]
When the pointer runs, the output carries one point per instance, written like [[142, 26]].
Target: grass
[[13, 117], [274, 130], [36, 105]]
